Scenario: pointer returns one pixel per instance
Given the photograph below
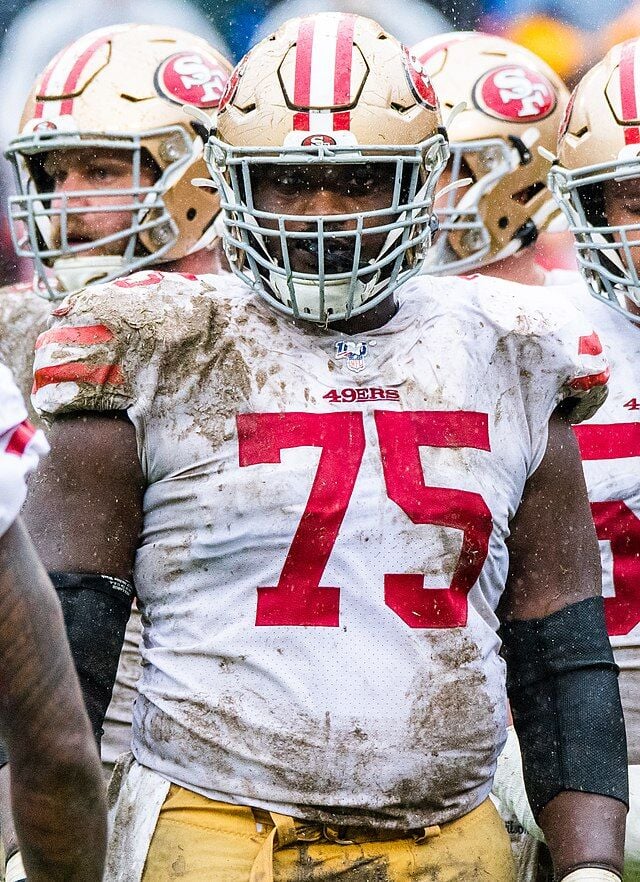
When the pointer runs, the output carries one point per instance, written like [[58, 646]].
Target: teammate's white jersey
[[20, 449], [324, 530], [23, 317], [610, 449]]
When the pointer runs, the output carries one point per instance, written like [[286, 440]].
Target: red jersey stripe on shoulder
[[20, 438], [83, 335], [608, 441], [590, 345], [78, 372], [583, 384], [302, 87]]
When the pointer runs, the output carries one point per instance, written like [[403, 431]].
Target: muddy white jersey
[[610, 449], [21, 446], [324, 532], [23, 316]]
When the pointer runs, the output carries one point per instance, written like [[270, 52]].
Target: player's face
[[325, 191], [87, 169], [622, 208]]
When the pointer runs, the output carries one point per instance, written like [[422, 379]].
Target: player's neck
[[369, 320], [522, 268], [199, 263]]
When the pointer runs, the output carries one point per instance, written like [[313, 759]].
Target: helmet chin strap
[[74, 273]]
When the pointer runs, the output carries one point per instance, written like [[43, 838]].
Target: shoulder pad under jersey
[[558, 344]]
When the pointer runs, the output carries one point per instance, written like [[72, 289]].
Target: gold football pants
[[199, 840]]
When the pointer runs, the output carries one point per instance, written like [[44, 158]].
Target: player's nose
[[328, 201], [73, 182]]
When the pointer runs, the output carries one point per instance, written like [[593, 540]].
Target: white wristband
[[589, 874], [14, 871]]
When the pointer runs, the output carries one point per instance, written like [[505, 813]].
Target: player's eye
[[361, 181], [292, 182]]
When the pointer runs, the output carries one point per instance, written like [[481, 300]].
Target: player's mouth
[[338, 255]]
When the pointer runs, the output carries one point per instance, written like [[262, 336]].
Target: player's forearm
[[57, 788], [60, 817], [582, 829]]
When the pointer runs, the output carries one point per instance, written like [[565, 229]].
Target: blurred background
[[570, 35]]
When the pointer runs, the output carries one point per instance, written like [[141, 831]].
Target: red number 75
[[298, 598]]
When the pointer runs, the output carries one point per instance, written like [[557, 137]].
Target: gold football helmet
[[600, 142], [514, 103], [121, 88], [328, 90]]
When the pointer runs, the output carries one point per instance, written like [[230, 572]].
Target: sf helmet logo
[[45, 125], [232, 84], [191, 78], [515, 92], [419, 82], [319, 141]]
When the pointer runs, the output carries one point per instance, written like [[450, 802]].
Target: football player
[[104, 163], [56, 783], [513, 104], [597, 182], [334, 479], [104, 129]]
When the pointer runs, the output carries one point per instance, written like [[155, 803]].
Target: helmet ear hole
[[191, 213]]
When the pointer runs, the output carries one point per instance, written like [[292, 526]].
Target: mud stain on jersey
[[451, 707]]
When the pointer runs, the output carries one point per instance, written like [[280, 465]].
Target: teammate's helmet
[[514, 103], [599, 142], [330, 89], [121, 88]]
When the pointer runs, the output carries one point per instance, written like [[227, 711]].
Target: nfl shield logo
[[354, 353]]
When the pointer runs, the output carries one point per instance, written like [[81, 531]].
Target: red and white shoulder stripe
[[71, 356], [594, 363]]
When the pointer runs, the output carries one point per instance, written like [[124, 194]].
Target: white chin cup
[[74, 273], [307, 294], [14, 871], [591, 874]]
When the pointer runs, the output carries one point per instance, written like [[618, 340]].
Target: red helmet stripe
[[302, 88], [342, 75], [76, 71], [423, 55], [628, 97], [45, 83]]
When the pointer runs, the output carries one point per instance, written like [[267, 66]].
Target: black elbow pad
[[563, 689], [96, 609]]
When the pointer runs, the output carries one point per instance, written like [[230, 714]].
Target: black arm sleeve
[[96, 609], [562, 684]]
